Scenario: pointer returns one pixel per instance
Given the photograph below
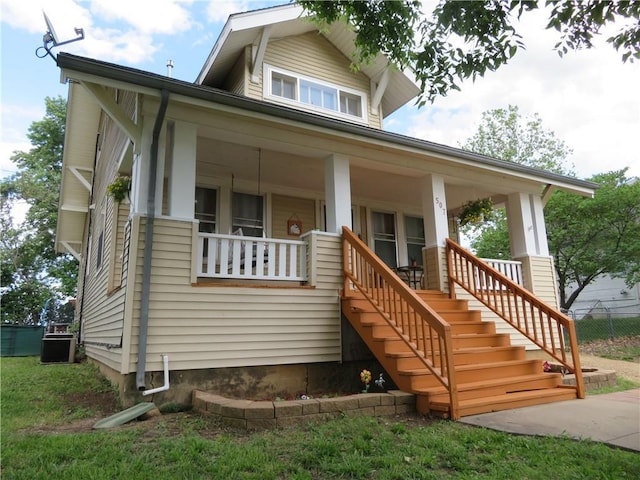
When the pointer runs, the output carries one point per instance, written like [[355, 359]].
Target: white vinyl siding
[[226, 326], [102, 306]]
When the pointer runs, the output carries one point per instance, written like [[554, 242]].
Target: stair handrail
[[428, 336], [536, 320]]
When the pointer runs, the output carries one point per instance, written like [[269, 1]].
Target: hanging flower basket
[[119, 188], [476, 211]]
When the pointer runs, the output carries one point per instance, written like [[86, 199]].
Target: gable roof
[[246, 28]]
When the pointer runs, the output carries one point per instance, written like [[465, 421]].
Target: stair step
[[495, 386], [421, 377], [501, 402], [454, 316], [380, 328], [407, 360]]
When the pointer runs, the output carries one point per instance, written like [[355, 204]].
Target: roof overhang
[[247, 28], [84, 113], [83, 116]]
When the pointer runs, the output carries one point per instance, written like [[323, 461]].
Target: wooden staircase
[[490, 373]]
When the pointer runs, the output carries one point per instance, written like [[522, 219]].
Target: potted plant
[[476, 211], [119, 188]]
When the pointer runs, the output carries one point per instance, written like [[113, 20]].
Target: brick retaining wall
[[255, 415], [593, 380]]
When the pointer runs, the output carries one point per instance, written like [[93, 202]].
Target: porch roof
[[86, 69], [83, 113]]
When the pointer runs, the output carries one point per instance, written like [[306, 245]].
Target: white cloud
[[146, 16], [219, 11], [16, 120], [590, 99]]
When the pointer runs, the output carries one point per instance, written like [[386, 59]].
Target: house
[[604, 296], [254, 191]]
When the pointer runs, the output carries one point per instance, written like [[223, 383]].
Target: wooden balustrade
[[252, 258], [426, 334], [543, 325]]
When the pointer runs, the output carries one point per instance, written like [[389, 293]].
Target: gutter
[[148, 242]]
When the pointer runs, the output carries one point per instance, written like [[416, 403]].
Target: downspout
[[148, 243]]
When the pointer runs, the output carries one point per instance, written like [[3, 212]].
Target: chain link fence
[[606, 323]]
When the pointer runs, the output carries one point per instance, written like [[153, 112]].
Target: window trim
[[268, 72]]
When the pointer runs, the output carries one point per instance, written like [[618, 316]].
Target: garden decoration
[[476, 211], [365, 377], [119, 188]]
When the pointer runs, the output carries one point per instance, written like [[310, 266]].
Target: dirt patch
[[103, 403], [620, 348]]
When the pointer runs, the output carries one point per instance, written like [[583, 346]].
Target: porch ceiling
[[244, 166]]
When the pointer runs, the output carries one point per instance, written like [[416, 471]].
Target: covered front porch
[[256, 191]]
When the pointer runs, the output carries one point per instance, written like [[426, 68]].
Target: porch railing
[[509, 268], [426, 334], [251, 258], [540, 323]]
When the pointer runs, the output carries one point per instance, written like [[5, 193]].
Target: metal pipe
[[165, 360], [148, 243]]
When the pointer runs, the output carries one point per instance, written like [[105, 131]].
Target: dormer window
[[293, 89]]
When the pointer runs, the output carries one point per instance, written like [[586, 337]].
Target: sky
[[589, 99]]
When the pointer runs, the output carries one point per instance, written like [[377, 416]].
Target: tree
[[463, 40], [31, 270], [505, 134], [587, 237]]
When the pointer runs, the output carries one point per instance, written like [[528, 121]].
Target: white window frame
[[267, 88]]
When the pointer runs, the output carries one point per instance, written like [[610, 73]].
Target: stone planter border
[[258, 415]]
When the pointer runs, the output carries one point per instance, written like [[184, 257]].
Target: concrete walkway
[[613, 418]]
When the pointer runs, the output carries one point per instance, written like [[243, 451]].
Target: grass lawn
[[48, 411]]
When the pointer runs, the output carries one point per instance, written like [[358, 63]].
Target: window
[[384, 237], [319, 95], [206, 208], [248, 214], [283, 86], [350, 104], [99, 250], [414, 227]]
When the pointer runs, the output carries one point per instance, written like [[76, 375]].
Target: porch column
[[528, 238], [527, 230], [140, 170], [182, 169], [337, 191], [436, 231]]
